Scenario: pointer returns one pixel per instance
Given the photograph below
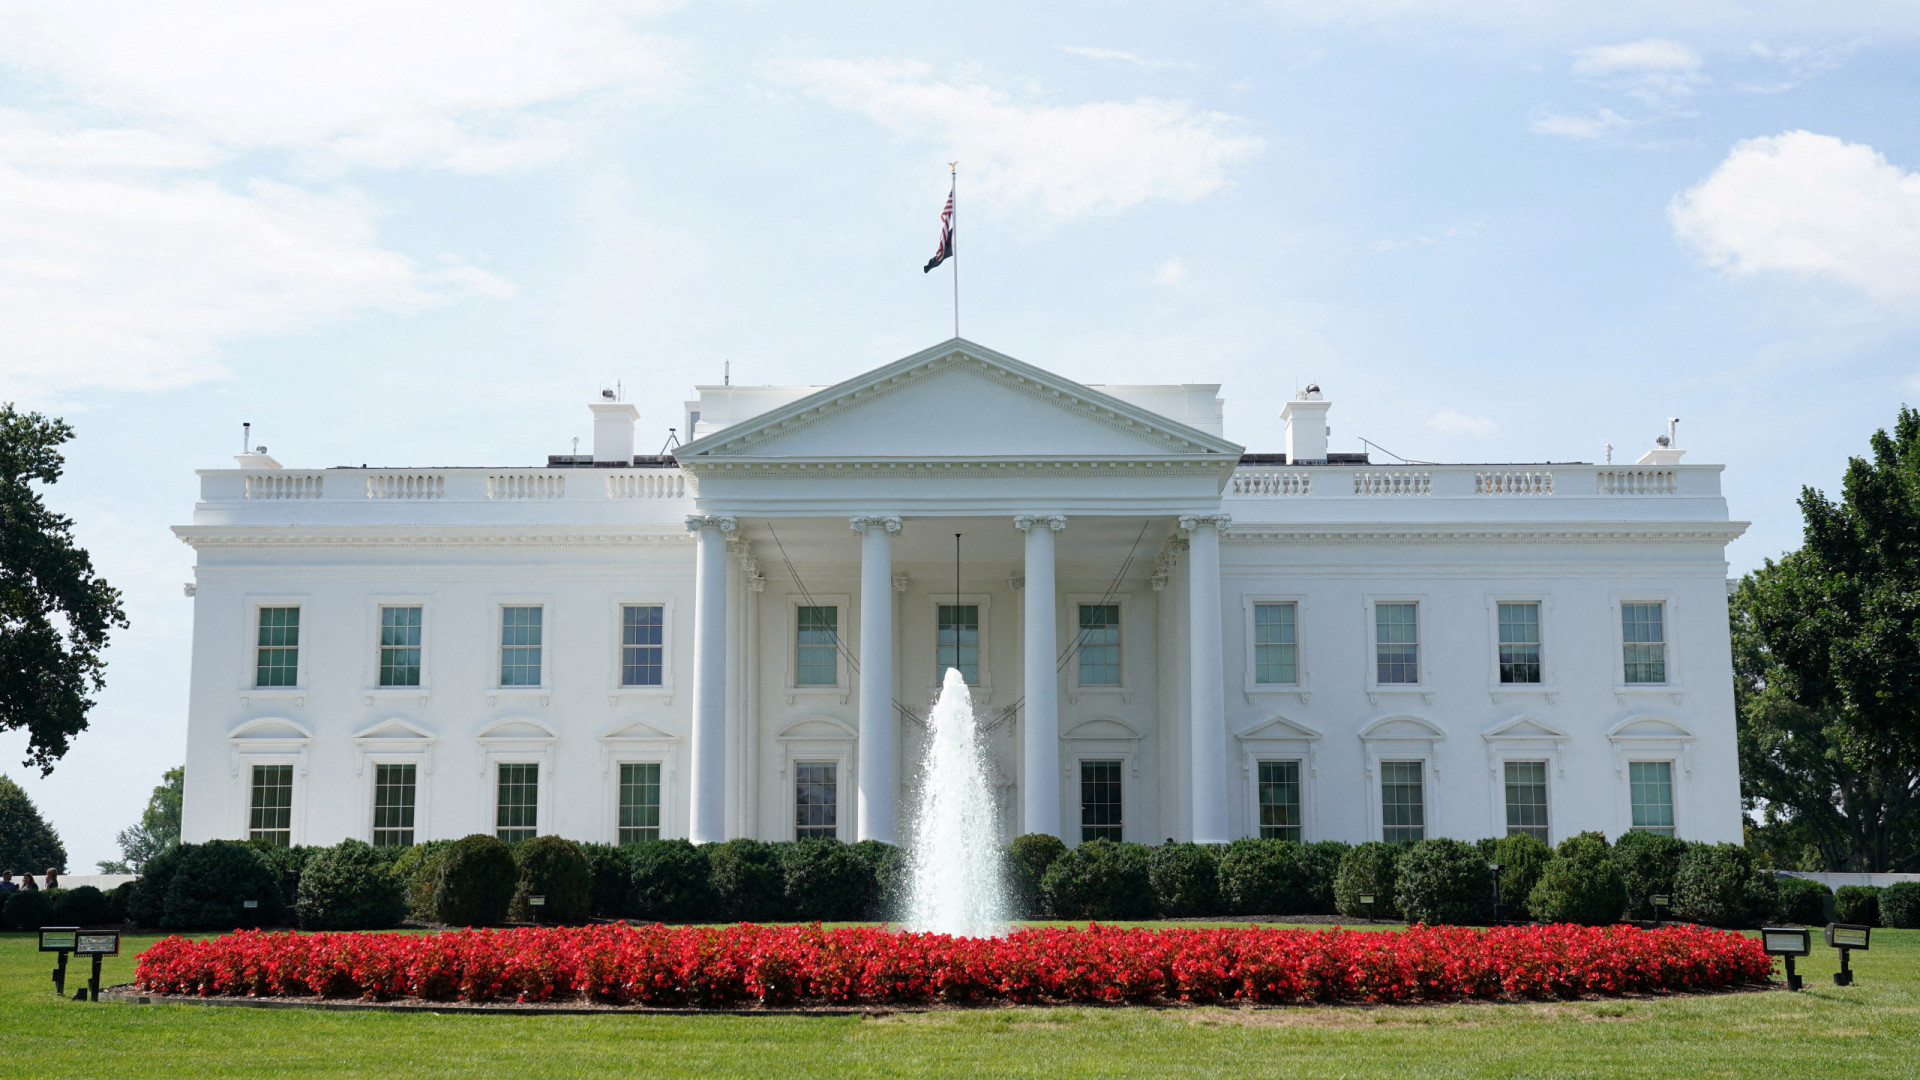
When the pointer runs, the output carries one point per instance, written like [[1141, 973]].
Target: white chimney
[[613, 431], [1306, 420]]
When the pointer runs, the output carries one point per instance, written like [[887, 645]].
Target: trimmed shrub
[[473, 882], [612, 872], [1100, 879], [1444, 882], [1900, 905], [1028, 858], [668, 882], [84, 906], [888, 866], [1320, 862], [418, 871], [288, 862], [1718, 885], [147, 903], [1800, 900], [28, 911], [1522, 860], [824, 880], [1263, 877], [1857, 904], [1185, 879], [1648, 864], [556, 868], [209, 890], [1369, 868], [119, 900], [348, 887], [746, 878], [1580, 884]]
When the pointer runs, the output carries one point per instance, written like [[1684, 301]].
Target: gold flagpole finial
[[953, 165]]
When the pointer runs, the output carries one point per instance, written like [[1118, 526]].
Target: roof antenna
[[1673, 431], [727, 378], [246, 436], [673, 439], [619, 392]]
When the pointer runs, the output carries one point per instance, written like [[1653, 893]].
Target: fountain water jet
[[955, 883]]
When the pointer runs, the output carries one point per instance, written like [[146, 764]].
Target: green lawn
[[1869, 1029]]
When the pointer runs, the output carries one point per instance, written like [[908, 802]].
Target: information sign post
[[58, 939], [98, 944]]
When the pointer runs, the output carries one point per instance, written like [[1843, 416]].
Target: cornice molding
[[754, 468], [1418, 532], [206, 536]]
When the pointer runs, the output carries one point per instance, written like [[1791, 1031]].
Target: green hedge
[[1900, 905], [1857, 904], [824, 880], [746, 879], [1718, 885], [1444, 881], [27, 911], [147, 901], [1368, 869], [887, 865], [417, 869], [1185, 879], [1580, 884], [1648, 864], [474, 882], [84, 906], [611, 867], [556, 868], [1100, 879], [1801, 900], [1028, 858], [211, 886], [669, 881], [1522, 859], [349, 887]]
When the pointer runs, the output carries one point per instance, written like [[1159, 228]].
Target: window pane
[[816, 800], [277, 657], [1280, 800], [1100, 800], [642, 637], [1527, 799], [958, 642], [1651, 785], [816, 654], [1099, 644], [520, 643], [1519, 643], [639, 802], [399, 646], [271, 813], [1403, 810], [1643, 631], [1396, 643], [1275, 644], [518, 806], [393, 805]]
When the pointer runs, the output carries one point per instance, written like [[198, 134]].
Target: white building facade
[[1165, 636]]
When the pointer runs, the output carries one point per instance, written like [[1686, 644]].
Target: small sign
[[1366, 898], [1658, 900], [249, 904], [537, 901], [104, 943], [57, 938], [1839, 936], [1786, 940]]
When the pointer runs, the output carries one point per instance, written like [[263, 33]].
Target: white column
[[1042, 707], [707, 822], [877, 787], [1207, 678]]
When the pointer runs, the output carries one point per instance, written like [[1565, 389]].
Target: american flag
[[946, 236]]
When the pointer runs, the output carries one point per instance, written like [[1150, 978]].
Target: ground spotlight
[[1846, 937], [1787, 942]]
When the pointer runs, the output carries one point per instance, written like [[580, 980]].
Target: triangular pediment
[[392, 730], [1279, 728], [1521, 727], [269, 729], [1402, 727], [1648, 727], [955, 400], [638, 729]]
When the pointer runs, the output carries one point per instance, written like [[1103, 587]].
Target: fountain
[[955, 883]]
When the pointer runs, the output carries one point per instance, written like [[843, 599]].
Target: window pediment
[[1648, 727], [816, 728], [269, 729], [516, 729], [394, 730], [1401, 727], [1278, 728], [1522, 728], [638, 730], [1102, 728]]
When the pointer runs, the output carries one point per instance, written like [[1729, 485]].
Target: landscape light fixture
[[59, 939], [1366, 901], [1787, 942], [536, 903], [1659, 901], [1846, 937], [1499, 909]]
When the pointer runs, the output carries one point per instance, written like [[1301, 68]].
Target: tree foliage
[[158, 829], [27, 843], [55, 613]]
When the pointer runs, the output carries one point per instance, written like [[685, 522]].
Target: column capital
[[1191, 522], [726, 523], [1024, 522], [862, 522]]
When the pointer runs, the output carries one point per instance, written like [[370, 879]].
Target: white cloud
[[1171, 271], [1650, 54], [1812, 206], [1456, 423], [1099, 156], [1092, 53], [1602, 123]]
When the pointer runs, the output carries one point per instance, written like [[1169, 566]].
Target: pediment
[[1278, 728], [393, 730], [1402, 727], [516, 729], [956, 400], [269, 729], [638, 729], [1521, 727], [816, 727], [1101, 728], [1648, 727]]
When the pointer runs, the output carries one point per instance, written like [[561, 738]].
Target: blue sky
[[427, 233]]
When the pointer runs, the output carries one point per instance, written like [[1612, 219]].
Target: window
[[817, 645], [399, 646], [1276, 644], [816, 799], [277, 656], [959, 641], [1519, 643], [1396, 643], [272, 805], [1651, 785], [393, 804], [1280, 800], [1403, 807], [520, 636], [1643, 630], [642, 629], [517, 814], [1527, 799], [1099, 644], [640, 801], [1100, 800]]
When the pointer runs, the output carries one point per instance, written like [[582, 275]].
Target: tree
[[159, 827], [1827, 673], [54, 611], [27, 843]]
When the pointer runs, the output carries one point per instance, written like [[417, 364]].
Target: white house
[[1166, 636]]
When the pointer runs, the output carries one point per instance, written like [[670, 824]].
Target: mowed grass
[[1870, 1029]]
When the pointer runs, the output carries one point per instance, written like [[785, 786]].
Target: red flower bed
[[780, 965]]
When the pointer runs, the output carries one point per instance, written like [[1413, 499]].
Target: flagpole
[[954, 168]]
